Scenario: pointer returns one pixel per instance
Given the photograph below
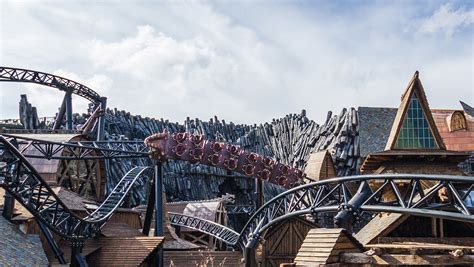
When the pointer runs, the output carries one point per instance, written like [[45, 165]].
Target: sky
[[244, 61]]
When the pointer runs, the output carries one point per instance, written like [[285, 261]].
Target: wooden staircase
[[322, 246]]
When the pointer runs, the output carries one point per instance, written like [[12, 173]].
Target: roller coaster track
[[8, 74], [216, 230], [333, 195], [23, 182], [80, 150]]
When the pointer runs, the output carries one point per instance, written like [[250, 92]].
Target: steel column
[[76, 250], [101, 126], [249, 256], [347, 216], [8, 205], [68, 99], [159, 207], [59, 119], [149, 210], [52, 243]]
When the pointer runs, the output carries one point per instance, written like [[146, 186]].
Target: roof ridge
[[414, 87]]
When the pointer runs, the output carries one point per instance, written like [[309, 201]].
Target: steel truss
[[23, 182], [216, 230], [80, 150], [333, 195], [240, 209], [8, 74]]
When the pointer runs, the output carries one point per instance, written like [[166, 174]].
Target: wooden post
[[441, 228], [434, 227]]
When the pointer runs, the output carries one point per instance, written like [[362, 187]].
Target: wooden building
[[415, 144], [420, 140], [283, 241], [212, 210], [320, 166], [85, 177]]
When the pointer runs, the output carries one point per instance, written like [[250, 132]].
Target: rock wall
[[28, 114], [290, 139]]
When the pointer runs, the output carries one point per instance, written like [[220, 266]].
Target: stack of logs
[[28, 114], [290, 139]]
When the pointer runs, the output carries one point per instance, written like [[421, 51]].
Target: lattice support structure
[[216, 230], [80, 150], [23, 182], [443, 200], [8, 74]]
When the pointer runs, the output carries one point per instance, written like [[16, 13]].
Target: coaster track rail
[[23, 182]]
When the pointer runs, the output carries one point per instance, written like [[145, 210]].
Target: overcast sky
[[244, 61]]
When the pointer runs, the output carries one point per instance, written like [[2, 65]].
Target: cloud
[[190, 72], [199, 59], [447, 20], [177, 67]]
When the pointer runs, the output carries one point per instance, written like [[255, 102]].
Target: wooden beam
[[461, 241], [405, 259]]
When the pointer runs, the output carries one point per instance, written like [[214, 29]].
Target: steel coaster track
[[333, 195], [8, 74], [216, 230], [23, 182], [80, 150]]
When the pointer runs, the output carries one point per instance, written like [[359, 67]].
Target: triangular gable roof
[[467, 109], [414, 87]]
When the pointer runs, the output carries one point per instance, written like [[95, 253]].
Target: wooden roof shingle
[[124, 251]]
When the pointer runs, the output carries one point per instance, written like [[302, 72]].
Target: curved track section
[[79, 150], [21, 180], [8, 74], [333, 195], [195, 149], [216, 230]]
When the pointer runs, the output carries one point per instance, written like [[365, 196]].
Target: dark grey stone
[[375, 125]]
